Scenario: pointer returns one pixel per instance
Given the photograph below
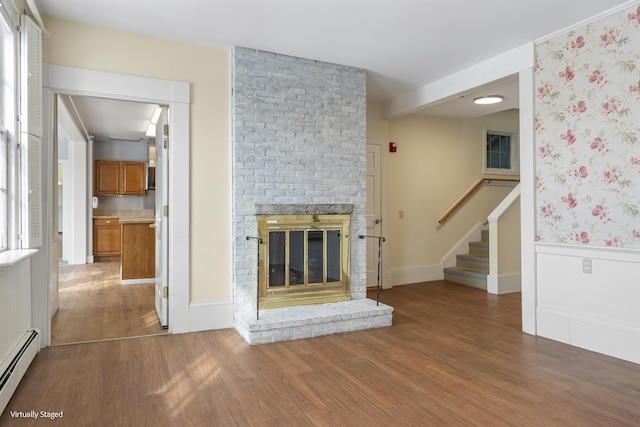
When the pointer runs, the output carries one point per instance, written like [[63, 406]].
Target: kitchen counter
[[130, 234], [127, 218], [120, 213]]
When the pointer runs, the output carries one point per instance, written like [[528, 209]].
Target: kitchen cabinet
[[138, 248], [106, 237], [119, 178]]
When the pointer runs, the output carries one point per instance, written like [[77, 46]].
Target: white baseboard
[[207, 315], [406, 276], [591, 334], [504, 284]]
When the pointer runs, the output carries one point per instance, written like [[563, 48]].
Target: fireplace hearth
[[320, 303]]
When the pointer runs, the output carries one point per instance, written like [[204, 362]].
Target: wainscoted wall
[[299, 137], [587, 84]]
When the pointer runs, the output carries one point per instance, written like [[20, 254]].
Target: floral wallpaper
[[588, 134]]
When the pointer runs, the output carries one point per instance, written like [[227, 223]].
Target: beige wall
[[207, 69], [436, 162], [377, 129], [437, 159]]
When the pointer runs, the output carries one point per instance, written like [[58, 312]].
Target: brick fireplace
[[299, 142]]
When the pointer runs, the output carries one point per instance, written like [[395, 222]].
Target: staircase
[[472, 268]]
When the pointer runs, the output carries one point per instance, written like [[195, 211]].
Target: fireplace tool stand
[[259, 240], [380, 240]]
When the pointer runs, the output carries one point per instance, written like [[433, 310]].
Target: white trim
[[175, 94], [592, 334], [499, 67], [502, 207], [36, 16], [10, 12], [504, 283], [80, 81], [230, 235], [14, 256], [527, 201], [590, 251], [208, 315]]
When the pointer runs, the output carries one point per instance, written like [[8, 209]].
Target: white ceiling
[[109, 119], [403, 44]]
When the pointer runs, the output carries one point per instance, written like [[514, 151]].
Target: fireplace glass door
[[304, 259], [313, 257]]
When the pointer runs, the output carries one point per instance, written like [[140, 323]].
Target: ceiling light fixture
[[488, 99], [151, 130]]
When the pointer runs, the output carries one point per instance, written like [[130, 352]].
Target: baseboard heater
[[14, 367]]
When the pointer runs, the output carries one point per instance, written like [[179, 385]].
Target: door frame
[[175, 94]]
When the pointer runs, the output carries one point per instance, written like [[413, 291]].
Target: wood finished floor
[[454, 356], [95, 306]]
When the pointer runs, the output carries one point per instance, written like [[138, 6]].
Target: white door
[[374, 209], [162, 223]]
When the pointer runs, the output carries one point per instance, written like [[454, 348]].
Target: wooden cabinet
[[106, 237], [119, 178], [133, 178], [107, 178], [138, 250]]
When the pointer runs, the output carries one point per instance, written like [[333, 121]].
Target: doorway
[[73, 81], [374, 212], [94, 302]]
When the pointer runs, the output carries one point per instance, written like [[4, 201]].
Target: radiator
[[19, 343]]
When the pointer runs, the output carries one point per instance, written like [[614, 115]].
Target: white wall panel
[[599, 311]]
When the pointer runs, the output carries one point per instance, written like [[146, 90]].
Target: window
[[7, 122], [20, 130], [501, 153]]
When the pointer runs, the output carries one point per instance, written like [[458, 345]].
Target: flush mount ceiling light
[[488, 99]]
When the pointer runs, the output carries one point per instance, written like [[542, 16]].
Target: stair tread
[[474, 257], [480, 243]]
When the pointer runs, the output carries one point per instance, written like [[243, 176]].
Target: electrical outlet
[[586, 265]]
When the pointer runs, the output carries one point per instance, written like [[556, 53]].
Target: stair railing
[[470, 192]]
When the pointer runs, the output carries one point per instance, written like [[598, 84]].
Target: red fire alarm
[[393, 147]]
